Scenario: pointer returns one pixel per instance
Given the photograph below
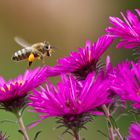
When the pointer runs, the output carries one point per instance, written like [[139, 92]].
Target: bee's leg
[[42, 61], [30, 62], [31, 59], [42, 58]]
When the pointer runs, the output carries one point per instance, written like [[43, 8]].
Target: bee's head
[[47, 46]]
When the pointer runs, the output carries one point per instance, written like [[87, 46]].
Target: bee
[[30, 52]]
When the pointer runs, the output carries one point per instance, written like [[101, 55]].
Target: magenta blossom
[[128, 29], [134, 132], [3, 136], [86, 60], [14, 92], [126, 79], [71, 99]]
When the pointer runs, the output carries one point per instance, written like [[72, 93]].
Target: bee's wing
[[21, 42]]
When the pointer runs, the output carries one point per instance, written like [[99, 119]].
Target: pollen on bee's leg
[[31, 59]]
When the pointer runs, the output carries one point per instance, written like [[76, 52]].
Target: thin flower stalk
[[22, 126], [110, 128], [112, 124]]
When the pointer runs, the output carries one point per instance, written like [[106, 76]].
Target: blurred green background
[[66, 24]]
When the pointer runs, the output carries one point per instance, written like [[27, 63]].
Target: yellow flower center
[[89, 55], [20, 82]]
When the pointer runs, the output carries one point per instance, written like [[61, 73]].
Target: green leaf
[[37, 134]]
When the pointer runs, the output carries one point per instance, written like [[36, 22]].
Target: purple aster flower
[[128, 29], [126, 79], [134, 132], [86, 60], [13, 94], [74, 102]]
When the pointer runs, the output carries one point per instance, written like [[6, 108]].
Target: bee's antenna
[[46, 42], [54, 47]]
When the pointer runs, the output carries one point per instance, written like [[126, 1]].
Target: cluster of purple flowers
[[87, 87]]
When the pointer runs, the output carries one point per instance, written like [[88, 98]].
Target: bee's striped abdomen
[[22, 54]]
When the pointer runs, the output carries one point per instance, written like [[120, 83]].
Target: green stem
[[110, 128], [111, 134], [118, 134], [112, 124], [76, 135], [22, 126]]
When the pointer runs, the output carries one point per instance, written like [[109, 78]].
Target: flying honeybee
[[31, 52]]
